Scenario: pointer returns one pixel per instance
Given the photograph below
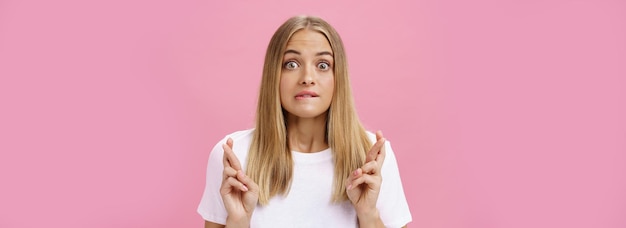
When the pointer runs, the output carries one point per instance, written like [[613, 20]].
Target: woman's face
[[307, 78]]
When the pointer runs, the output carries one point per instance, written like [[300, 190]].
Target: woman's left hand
[[363, 185]]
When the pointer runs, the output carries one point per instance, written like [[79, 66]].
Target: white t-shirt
[[308, 203]]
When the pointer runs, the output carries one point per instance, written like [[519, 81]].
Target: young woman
[[308, 162]]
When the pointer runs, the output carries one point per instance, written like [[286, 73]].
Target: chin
[[307, 114]]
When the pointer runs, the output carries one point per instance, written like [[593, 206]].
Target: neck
[[307, 134]]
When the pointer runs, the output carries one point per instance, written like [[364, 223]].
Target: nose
[[308, 75]]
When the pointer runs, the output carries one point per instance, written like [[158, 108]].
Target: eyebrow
[[318, 54]]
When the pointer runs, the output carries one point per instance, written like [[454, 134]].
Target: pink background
[[502, 113]]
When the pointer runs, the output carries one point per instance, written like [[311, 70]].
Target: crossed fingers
[[369, 173], [233, 176]]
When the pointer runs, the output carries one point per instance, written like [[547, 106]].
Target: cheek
[[284, 87], [329, 84]]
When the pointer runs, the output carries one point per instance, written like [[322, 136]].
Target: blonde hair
[[269, 160]]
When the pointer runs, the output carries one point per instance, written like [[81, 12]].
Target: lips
[[306, 94]]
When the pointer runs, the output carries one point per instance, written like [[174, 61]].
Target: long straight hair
[[270, 164]]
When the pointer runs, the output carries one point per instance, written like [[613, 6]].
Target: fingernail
[[245, 189], [349, 186], [356, 172]]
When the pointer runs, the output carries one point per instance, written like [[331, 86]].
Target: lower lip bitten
[[304, 97]]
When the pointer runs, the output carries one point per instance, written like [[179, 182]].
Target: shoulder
[[241, 141], [241, 144], [240, 135], [371, 136]]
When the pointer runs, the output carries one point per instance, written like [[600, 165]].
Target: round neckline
[[312, 157]]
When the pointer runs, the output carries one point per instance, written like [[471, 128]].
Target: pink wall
[[502, 113]]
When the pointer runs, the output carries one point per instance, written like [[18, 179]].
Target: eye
[[323, 66], [291, 65]]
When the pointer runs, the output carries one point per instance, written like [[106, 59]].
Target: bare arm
[[208, 224]]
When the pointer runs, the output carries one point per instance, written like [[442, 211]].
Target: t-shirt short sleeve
[[211, 206], [391, 203]]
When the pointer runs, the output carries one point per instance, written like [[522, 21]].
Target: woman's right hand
[[239, 193]]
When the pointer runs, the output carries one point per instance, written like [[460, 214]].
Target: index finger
[[381, 156], [229, 156], [376, 148]]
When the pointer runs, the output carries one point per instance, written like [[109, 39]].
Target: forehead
[[308, 39]]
